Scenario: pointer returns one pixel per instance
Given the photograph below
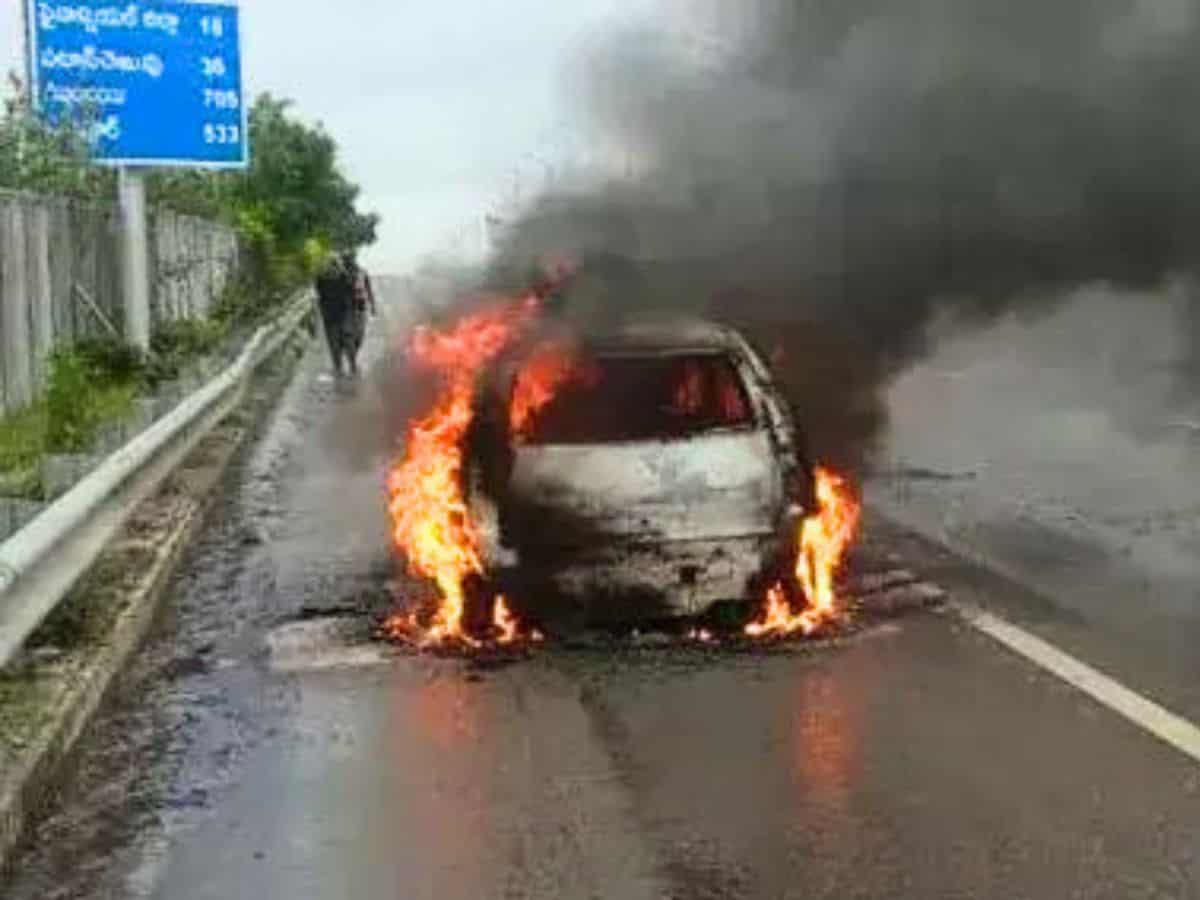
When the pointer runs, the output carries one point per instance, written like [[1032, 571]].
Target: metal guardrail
[[42, 562]]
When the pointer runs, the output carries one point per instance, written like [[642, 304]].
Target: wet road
[[1065, 451], [258, 751]]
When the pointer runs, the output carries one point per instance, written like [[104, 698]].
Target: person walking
[[335, 299], [362, 304]]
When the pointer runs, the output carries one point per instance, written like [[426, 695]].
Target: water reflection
[[826, 740], [441, 758], [447, 709]]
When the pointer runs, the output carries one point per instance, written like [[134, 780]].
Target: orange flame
[[824, 538], [504, 622], [430, 518], [549, 367]]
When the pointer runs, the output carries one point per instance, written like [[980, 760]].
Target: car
[[646, 470]]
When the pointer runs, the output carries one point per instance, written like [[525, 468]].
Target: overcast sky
[[434, 102]]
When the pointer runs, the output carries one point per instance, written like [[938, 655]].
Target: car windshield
[[612, 398]]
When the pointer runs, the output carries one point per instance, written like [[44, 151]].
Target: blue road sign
[[158, 83]]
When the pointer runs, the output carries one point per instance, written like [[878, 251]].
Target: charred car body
[[649, 470]]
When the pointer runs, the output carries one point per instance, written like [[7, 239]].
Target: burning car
[[647, 470]]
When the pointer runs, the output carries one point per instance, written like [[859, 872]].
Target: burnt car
[[643, 471]]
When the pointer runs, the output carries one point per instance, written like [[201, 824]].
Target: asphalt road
[[260, 749], [1065, 451]]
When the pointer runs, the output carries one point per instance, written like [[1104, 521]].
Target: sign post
[[155, 83]]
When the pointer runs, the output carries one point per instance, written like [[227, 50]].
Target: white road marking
[[323, 643], [1146, 714]]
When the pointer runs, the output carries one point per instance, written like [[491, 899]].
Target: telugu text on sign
[[156, 83]]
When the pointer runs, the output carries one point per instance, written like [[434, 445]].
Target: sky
[[435, 105]]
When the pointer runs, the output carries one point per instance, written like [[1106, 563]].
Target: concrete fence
[[60, 279]]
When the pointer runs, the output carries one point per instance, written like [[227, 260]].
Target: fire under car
[[642, 472]]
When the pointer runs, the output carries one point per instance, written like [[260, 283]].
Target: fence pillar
[[40, 297], [135, 257], [14, 308]]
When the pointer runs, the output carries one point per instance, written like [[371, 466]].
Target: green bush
[[111, 358], [69, 395], [82, 394], [248, 300], [94, 382], [175, 345], [188, 338]]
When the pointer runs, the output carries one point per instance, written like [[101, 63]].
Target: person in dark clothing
[[363, 303], [345, 296], [335, 298]]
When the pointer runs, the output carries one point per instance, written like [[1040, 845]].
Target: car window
[[630, 398]]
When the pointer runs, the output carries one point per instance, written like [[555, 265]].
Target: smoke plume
[[832, 175]]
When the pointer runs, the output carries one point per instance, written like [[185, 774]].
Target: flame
[[824, 538], [430, 518], [504, 622], [548, 368], [733, 405], [689, 391]]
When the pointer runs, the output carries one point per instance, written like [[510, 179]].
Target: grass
[[96, 382], [28, 435], [81, 397], [90, 385], [177, 345], [23, 439]]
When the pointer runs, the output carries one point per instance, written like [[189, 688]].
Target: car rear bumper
[[656, 580]]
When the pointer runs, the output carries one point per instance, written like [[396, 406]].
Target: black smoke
[[840, 173]]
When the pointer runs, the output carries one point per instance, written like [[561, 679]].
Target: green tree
[[292, 205], [294, 194]]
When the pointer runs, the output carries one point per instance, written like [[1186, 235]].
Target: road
[[1065, 451], [263, 747]]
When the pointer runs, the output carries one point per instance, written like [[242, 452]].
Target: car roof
[[646, 334], [663, 333]]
